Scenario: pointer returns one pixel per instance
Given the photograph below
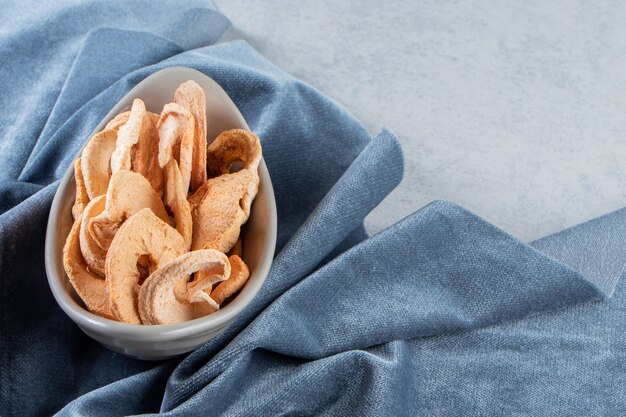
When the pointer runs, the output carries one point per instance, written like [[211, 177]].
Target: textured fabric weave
[[441, 314]]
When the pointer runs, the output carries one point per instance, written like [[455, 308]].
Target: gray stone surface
[[515, 110]]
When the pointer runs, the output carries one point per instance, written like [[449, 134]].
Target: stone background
[[515, 110]]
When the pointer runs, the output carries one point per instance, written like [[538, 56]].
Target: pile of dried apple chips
[[158, 214]]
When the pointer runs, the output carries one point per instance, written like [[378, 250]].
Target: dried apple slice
[[176, 133], [93, 254], [232, 149], [137, 147], [239, 274], [82, 198], [142, 237], [96, 162], [89, 287], [217, 213], [158, 299], [238, 277], [175, 199], [128, 193], [191, 96]]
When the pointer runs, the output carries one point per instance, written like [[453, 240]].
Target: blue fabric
[[441, 314]]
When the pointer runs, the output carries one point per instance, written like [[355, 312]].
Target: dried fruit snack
[[128, 193], [142, 235], [159, 300], [89, 287], [137, 146], [176, 139], [233, 147], [158, 214], [95, 162], [93, 253], [191, 96], [82, 199]]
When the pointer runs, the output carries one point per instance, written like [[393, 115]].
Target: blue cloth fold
[[440, 314]]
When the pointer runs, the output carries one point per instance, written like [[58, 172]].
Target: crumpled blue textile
[[440, 314]]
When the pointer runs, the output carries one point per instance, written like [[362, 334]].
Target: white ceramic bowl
[[259, 238]]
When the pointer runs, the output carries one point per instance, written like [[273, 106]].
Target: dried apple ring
[[89, 287], [128, 193], [93, 254], [176, 133], [191, 96], [233, 148], [96, 162], [239, 274], [137, 147], [158, 300], [175, 199], [217, 213], [82, 198], [145, 236], [238, 277]]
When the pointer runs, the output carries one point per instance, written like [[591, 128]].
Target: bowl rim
[[162, 332]]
